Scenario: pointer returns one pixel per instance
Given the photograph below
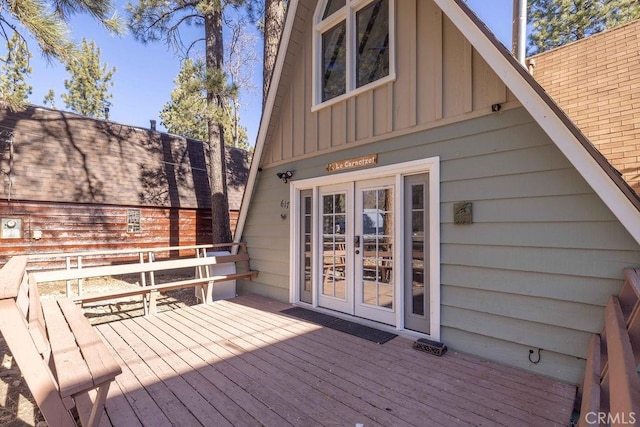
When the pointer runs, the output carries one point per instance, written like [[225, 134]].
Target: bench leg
[[90, 405], [153, 309], [98, 405], [208, 292]]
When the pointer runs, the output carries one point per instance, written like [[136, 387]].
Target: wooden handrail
[[11, 277], [611, 386], [133, 251], [113, 270], [624, 385]]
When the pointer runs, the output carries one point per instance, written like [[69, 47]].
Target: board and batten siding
[[440, 79], [533, 271]]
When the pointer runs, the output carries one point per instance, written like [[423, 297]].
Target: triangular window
[[332, 7]]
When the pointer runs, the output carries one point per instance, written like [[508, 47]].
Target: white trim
[[369, 86], [398, 250], [348, 15], [294, 233], [430, 166], [434, 247], [548, 120]]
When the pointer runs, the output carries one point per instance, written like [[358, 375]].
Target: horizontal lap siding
[[267, 235], [533, 271], [537, 265]]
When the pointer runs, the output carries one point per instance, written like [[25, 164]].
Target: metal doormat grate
[[431, 347], [351, 328]]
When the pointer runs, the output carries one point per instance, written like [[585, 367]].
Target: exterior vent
[[431, 347]]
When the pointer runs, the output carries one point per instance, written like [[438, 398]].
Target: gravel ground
[[17, 407]]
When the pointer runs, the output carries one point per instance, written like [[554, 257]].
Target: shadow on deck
[[242, 362]]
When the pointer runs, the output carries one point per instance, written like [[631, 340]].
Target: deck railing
[[611, 386], [79, 260]]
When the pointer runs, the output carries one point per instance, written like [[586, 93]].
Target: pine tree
[[274, 15], [153, 20], [186, 113], [50, 99], [47, 22], [88, 88], [558, 22], [14, 90]]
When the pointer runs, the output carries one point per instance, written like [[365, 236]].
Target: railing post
[[68, 263], [80, 281], [149, 300], [143, 275]]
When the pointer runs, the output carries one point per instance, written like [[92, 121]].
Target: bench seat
[[60, 355]]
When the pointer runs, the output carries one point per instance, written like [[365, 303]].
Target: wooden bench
[[203, 281], [611, 386], [63, 360]]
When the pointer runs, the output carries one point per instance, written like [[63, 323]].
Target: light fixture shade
[[285, 176]]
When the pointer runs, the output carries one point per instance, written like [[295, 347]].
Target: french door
[[370, 247], [357, 246]]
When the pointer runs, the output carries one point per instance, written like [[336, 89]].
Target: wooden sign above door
[[358, 162]]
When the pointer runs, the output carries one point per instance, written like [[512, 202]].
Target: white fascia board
[[264, 121], [559, 133]]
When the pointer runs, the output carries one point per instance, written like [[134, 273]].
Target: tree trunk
[[274, 15], [221, 231]]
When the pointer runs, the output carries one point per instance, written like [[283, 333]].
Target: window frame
[[134, 221], [347, 14]]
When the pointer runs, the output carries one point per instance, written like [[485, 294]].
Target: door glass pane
[[377, 240], [416, 261], [305, 250], [334, 65], [372, 26], [334, 245], [417, 253]]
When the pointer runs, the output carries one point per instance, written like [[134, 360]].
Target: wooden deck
[[240, 362]]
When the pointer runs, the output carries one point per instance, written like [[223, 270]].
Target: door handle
[[356, 244]]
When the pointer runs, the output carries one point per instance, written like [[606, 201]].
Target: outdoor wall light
[[285, 176]]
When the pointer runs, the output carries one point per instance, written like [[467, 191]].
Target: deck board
[[464, 400], [241, 362]]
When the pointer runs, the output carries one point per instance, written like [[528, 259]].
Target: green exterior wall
[[534, 270]]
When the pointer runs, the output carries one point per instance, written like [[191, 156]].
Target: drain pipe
[[519, 34]]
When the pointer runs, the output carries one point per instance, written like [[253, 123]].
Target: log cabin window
[[353, 48], [133, 220]]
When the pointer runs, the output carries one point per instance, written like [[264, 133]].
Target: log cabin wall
[[69, 183], [67, 227]]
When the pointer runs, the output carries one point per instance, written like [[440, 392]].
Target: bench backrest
[[21, 318], [114, 270], [16, 284], [612, 383]]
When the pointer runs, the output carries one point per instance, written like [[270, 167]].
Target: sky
[[145, 74]]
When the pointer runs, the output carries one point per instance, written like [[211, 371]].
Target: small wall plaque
[[463, 213], [358, 162]]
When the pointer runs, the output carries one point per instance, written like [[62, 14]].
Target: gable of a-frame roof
[[592, 166]]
